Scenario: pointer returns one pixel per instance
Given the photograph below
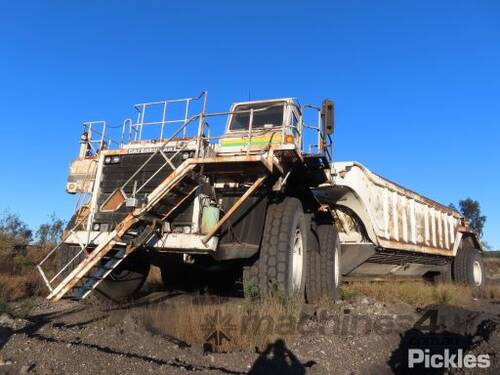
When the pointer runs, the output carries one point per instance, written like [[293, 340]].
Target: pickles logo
[[447, 359]]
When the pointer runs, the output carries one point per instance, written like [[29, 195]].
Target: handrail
[[157, 151], [204, 133], [133, 130]]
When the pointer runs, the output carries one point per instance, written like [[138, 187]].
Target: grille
[[115, 175], [400, 258]]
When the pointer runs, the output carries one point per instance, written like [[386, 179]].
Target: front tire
[[281, 266], [127, 279]]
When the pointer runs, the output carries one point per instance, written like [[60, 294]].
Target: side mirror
[[328, 116]]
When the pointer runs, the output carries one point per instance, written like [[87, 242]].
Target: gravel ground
[[361, 336]]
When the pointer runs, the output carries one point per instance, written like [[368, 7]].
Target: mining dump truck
[[251, 196]]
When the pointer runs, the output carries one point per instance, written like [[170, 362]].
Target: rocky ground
[[360, 336]]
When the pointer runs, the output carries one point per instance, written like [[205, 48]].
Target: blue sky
[[417, 83]]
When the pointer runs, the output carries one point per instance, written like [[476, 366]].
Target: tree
[[51, 232], [14, 229], [471, 210]]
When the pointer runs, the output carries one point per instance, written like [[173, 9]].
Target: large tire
[[468, 267], [126, 280], [324, 265], [282, 263]]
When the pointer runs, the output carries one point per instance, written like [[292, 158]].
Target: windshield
[[272, 117]]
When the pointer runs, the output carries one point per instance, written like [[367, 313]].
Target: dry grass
[[247, 323], [492, 265], [18, 276], [16, 287], [414, 293], [489, 292], [4, 306]]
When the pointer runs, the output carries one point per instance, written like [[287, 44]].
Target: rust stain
[[113, 202]]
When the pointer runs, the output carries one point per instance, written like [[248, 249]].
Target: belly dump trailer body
[[255, 199], [386, 229]]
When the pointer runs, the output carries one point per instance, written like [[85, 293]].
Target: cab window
[[295, 124], [269, 118]]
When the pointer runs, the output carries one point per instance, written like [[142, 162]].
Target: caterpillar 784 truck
[[249, 196]]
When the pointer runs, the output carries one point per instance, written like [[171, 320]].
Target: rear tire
[[324, 265], [468, 267], [281, 266]]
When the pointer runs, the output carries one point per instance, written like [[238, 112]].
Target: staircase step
[[89, 282], [99, 274], [110, 264], [144, 236]]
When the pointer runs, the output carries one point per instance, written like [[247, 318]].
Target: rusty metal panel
[[113, 202], [81, 175], [401, 218]]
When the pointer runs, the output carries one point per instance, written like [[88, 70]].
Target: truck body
[[258, 188], [386, 229]]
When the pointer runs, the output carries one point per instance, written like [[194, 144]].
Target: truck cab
[[256, 126]]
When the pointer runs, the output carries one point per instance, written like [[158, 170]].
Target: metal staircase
[[90, 281], [136, 229]]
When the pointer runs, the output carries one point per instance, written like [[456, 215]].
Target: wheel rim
[[477, 273], [337, 266], [297, 260]]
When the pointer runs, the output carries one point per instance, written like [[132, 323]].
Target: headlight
[[96, 227], [112, 159], [186, 230], [185, 155]]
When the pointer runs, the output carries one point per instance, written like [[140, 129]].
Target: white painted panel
[[399, 215]]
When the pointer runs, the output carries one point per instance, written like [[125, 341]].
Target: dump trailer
[[251, 197]]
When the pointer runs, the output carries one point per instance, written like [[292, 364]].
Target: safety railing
[[97, 140], [159, 150], [50, 279], [324, 142], [156, 115]]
